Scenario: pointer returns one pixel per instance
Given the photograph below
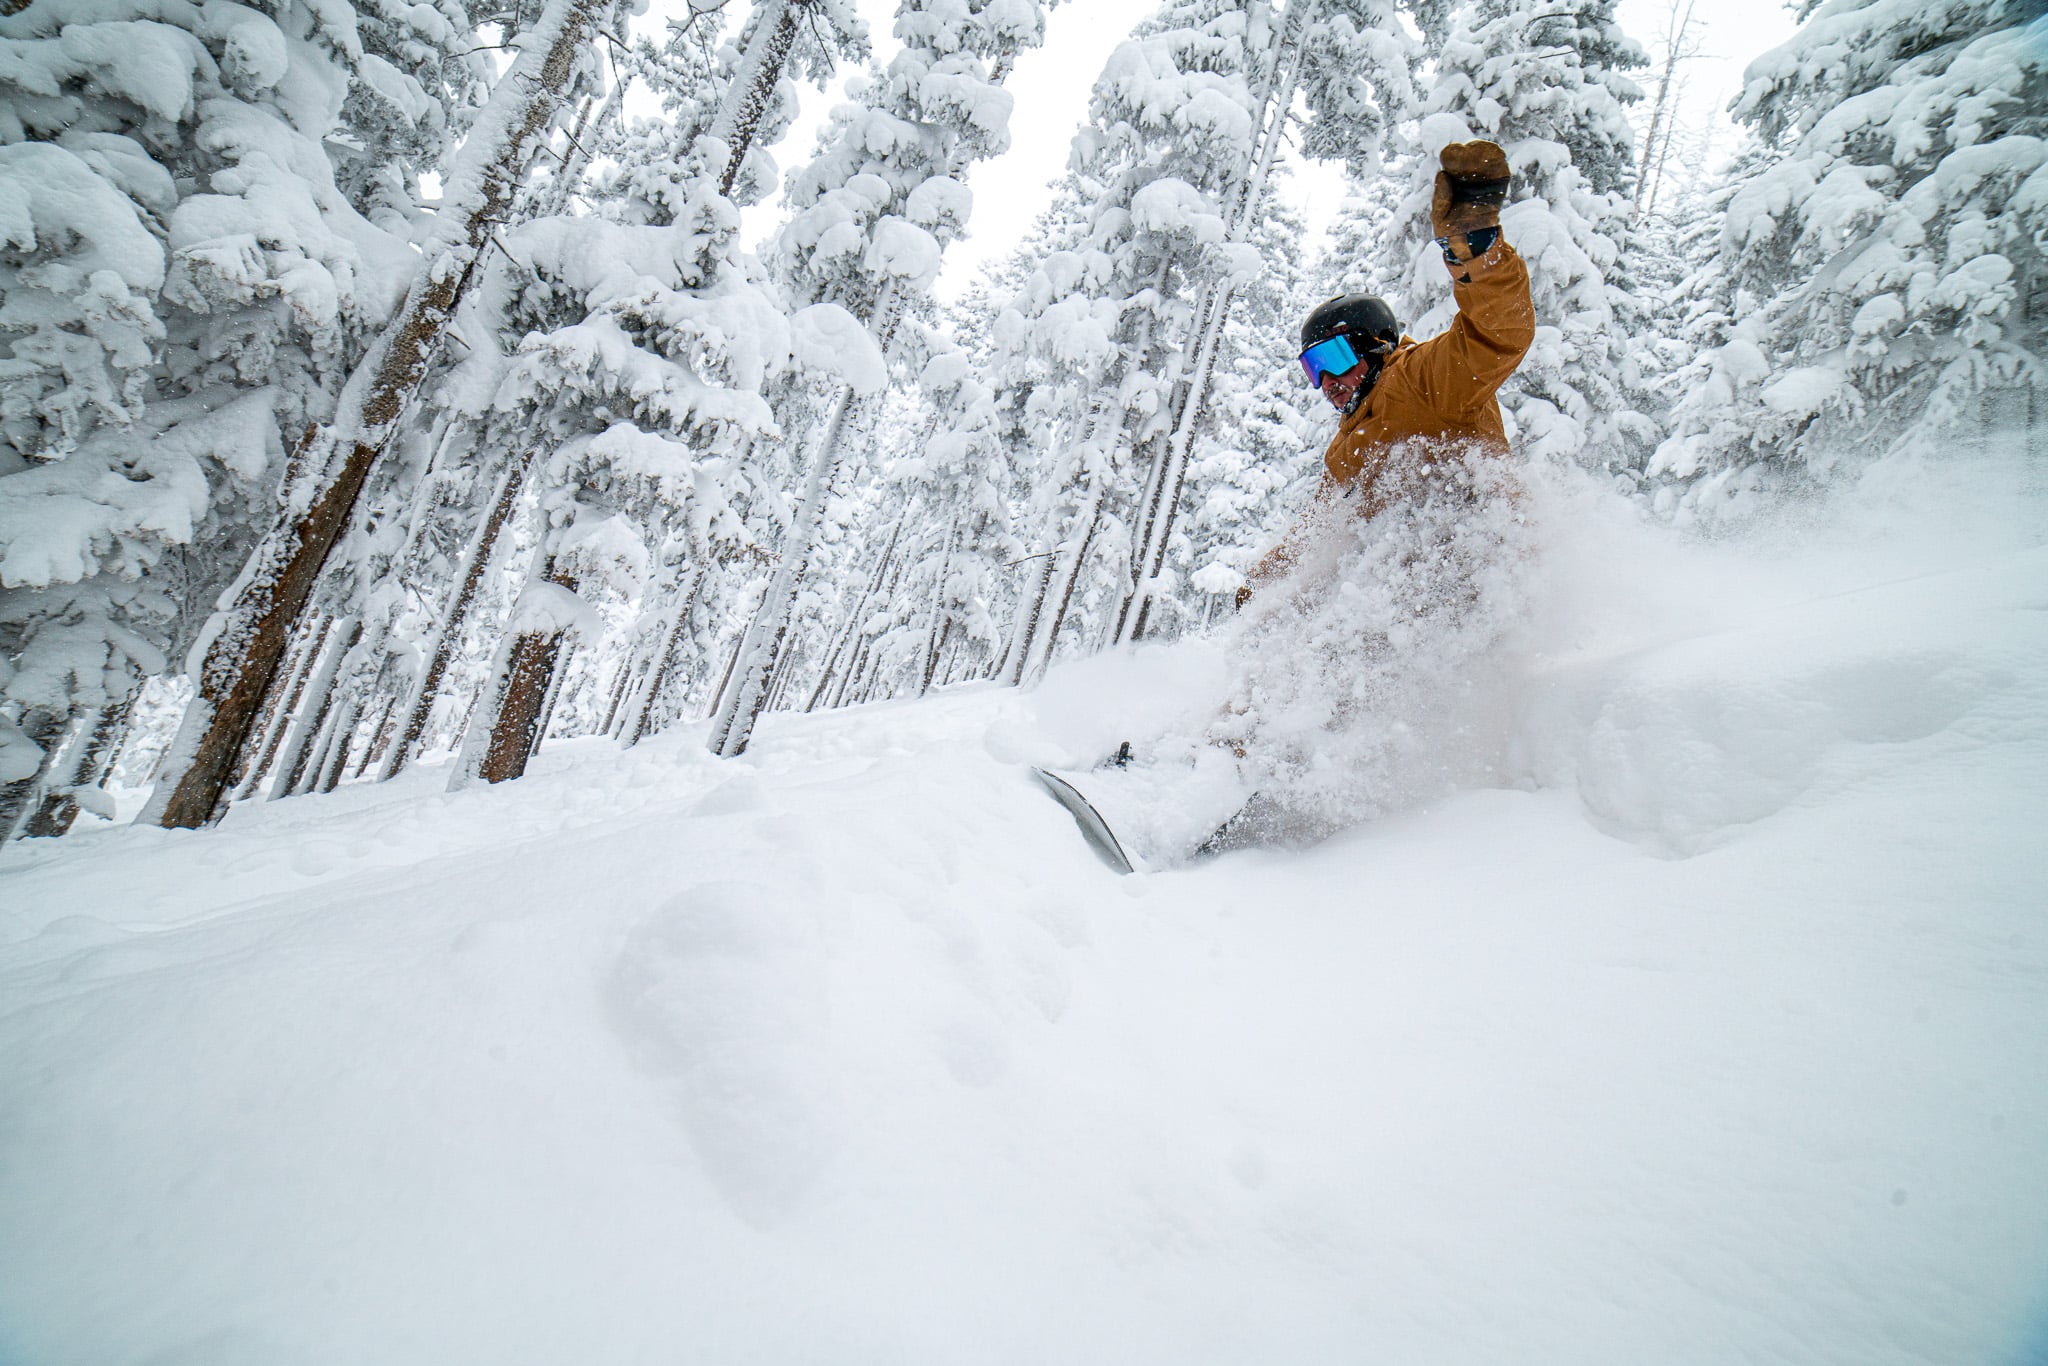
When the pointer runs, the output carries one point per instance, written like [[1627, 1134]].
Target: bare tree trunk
[[338, 747], [864, 642], [380, 740], [1162, 508], [1678, 23], [854, 622], [1035, 669], [249, 636], [1026, 630], [615, 696], [277, 707]]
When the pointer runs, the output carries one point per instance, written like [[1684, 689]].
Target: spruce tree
[[1882, 253]]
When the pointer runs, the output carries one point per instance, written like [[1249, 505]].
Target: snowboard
[[1094, 829], [1137, 821]]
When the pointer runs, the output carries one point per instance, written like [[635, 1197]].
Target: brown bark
[[528, 673], [312, 730], [316, 636], [449, 638], [59, 809], [242, 662], [554, 699], [277, 709], [757, 79]]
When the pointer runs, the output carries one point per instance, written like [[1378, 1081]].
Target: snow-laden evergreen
[[646, 342], [1551, 86], [869, 217], [195, 253], [1110, 348], [1881, 259]]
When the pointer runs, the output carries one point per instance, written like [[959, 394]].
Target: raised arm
[[1459, 371]]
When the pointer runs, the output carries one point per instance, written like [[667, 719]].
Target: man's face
[[1341, 389]]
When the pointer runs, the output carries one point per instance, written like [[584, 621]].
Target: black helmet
[[1361, 317]]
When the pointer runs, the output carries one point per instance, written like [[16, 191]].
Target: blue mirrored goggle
[[1332, 357]]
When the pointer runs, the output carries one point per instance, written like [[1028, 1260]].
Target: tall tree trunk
[[501, 732], [249, 636], [746, 696], [1678, 24], [55, 732], [1026, 630], [380, 739], [320, 694], [560, 672], [855, 621], [448, 634], [93, 761], [615, 696], [328, 775], [307, 638], [753, 84], [664, 665], [1040, 658], [1164, 487]]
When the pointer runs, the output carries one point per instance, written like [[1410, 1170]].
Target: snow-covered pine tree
[[1257, 458], [869, 217], [928, 610], [1348, 61], [1883, 255], [642, 378], [1548, 82], [191, 266], [246, 641], [1109, 351]]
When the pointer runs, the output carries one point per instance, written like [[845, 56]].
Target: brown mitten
[[1470, 188]]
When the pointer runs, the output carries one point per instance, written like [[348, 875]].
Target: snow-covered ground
[[1717, 1031]]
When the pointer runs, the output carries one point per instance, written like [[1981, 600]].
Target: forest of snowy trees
[[387, 379]]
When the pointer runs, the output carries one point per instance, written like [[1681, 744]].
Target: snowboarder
[[1407, 407], [1407, 404]]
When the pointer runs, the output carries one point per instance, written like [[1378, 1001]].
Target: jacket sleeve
[[1458, 371]]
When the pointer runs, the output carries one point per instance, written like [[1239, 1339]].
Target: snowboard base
[[1094, 828]]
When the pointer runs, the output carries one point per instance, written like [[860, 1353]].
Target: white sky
[[1052, 85]]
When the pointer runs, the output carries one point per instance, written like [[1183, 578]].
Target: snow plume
[[1374, 676]]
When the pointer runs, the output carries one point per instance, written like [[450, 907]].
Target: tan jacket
[[1438, 394]]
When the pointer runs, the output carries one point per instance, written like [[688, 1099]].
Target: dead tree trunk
[[250, 635]]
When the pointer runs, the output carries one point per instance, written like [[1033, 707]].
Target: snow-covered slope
[[1718, 1031]]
